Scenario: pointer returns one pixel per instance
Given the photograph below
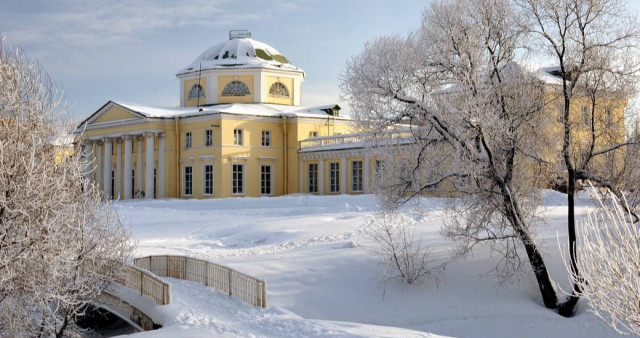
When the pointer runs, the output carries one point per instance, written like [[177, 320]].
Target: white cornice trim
[[127, 122], [140, 132], [239, 157]]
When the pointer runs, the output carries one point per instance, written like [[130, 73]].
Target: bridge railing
[[244, 287], [147, 284]]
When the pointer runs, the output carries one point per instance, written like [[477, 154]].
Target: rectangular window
[[208, 179], [237, 137], [237, 180], [265, 180], [313, 177], [133, 183], [586, 114], [113, 184], [155, 183], [208, 138], [334, 177], [187, 139], [188, 180], [609, 120], [266, 138], [356, 176], [379, 168], [313, 134]]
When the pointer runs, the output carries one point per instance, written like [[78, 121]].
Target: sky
[[129, 51]]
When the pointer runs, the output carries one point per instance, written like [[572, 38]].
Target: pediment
[[112, 112]]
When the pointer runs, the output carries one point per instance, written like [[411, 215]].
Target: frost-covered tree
[[473, 120], [478, 123], [609, 265], [60, 246], [595, 46]]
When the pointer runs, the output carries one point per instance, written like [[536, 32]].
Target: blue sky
[[130, 50]]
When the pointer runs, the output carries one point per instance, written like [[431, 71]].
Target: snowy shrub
[[403, 254], [60, 246], [609, 248]]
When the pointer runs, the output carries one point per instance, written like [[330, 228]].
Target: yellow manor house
[[239, 131]]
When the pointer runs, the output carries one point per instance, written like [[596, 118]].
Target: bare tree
[[60, 246], [609, 265], [403, 254], [472, 119], [594, 44]]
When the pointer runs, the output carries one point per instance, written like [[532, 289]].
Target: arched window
[[235, 88], [279, 89], [196, 91]]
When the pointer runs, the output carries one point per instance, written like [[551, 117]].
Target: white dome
[[239, 52]]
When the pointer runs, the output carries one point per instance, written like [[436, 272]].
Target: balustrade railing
[[244, 287]]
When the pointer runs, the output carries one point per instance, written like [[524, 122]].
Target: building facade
[[238, 131]]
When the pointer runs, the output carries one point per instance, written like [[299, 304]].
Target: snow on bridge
[[205, 307]]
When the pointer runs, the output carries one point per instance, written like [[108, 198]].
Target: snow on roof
[[239, 52], [256, 109], [545, 74]]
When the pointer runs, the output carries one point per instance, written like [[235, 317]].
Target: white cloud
[[97, 24]]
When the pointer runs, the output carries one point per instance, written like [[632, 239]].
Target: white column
[[148, 167], [161, 165], [87, 159], [343, 176], [365, 175], [139, 164], [127, 166], [321, 177], [301, 171], [118, 184], [107, 169], [99, 176]]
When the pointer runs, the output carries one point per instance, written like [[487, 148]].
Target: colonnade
[[104, 173]]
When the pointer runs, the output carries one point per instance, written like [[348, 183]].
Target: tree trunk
[[512, 209], [566, 309], [540, 271]]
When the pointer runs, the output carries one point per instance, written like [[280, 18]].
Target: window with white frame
[[187, 139], [313, 177], [237, 137], [586, 114], [278, 89], [266, 138], [235, 88], [313, 134], [208, 137], [207, 181], [334, 177], [196, 91], [188, 180], [356, 176], [379, 169], [237, 179], [265, 180]]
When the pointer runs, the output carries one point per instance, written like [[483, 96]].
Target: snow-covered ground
[[314, 253]]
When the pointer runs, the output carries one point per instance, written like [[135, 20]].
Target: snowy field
[[322, 280]]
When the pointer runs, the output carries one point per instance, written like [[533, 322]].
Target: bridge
[[143, 287]]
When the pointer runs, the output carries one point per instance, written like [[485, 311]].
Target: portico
[[113, 166]]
